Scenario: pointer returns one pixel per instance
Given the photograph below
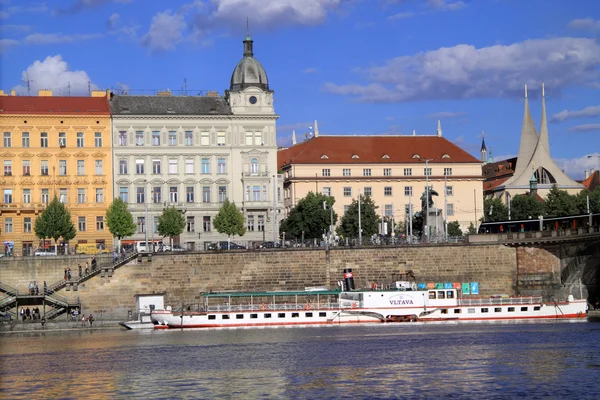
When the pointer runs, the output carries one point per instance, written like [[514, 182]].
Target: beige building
[[392, 170]]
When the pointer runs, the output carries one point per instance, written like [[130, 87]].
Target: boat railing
[[499, 301], [272, 307]]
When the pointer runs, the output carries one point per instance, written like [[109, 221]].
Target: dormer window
[[170, 111], [385, 156], [416, 156], [324, 157], [445, 156], [355, 156]]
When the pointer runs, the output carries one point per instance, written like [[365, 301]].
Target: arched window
[[254, 166]]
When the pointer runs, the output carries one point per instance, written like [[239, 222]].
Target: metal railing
[[8, 289], [273, 307], [499, 301]]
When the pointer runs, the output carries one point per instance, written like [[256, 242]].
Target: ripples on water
[[551, 360]]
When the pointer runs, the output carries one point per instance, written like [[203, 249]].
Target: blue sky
[[356, 66]]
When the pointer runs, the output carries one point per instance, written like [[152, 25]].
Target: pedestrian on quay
[[123, 254], [83, 321], [37, 288], [31, 288], [91, 319], [22, 313], [115, 257], [65, 274], [93, 263], [69, 273], [79, 267], [45, 288], [28, 313]]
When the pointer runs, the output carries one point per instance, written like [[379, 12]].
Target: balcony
[[256, 174]]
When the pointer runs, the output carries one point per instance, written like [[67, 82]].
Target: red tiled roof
[[29, 105], [373, 149], [592, 181], [491, 185]]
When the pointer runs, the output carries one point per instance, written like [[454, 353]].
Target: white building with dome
[[192, 152]]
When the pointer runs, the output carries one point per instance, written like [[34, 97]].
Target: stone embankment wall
[[182, 277]]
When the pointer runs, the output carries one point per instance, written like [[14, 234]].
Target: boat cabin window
[[253, 316], [295, 315], [523, 308], [431, 295], [536, 308], [322, 314], [239, 316], [308, 315], [441, 295], [471, 310], [444, 311], [511, 309], [267, 315], [224, 316], [457, 311], [449, 294], [281, 315], [483, 310], [498, 309], [212, 317]]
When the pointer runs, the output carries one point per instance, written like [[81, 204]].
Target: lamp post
[[146, 222], [427, 198], [359, 222], [325, 206]]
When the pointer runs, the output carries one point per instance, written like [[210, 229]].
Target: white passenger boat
[[404, 303]]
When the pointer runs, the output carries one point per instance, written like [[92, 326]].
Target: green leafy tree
[[494, 210], [471, 230], [309, 216], [454, 229], [581, 201], [55, 222], [369, 218], [119, 220], [559, 203], [417, 224], [524, 206], [230, 220], [170, 223]]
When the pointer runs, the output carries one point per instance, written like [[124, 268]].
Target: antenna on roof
[[28, 84], [185, 86], [89, 88], [69, 89], [247, 26]]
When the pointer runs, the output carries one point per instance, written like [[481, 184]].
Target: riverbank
[[52, 326]]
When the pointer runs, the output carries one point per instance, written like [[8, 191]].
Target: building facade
[[392, 170], [55, 146], [193, 152]]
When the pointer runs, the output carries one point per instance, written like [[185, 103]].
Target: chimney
[[98, 93], [13, 92], [2, 93], [45, 93], [587, 174], [164, 93], [212, 93]]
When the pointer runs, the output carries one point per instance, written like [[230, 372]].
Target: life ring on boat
[[353, 305], [307, 306], [263, 307]]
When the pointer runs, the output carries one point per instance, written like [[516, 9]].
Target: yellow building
[[54, 146]]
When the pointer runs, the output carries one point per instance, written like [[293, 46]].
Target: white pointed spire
[[525, 90], [293, 137], [439, 128], [316, 131], [544, 139]]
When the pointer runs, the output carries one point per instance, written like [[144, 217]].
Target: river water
[[547, 360]]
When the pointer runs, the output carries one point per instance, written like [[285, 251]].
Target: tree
[[471, 230], [170, 223], [454, 229], [559, 203], [310, 217], [494, 210], [55, 222], [417, 224], [581, 201], [369, 218], [524, 206], [119, 219], [230, 220]]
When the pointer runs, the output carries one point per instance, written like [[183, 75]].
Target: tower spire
[[293, 137], [544, 140], [316, 131], [483, 148], [439, 128]]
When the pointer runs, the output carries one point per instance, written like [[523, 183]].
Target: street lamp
[[426, 220], [146, 222], [325, 206]]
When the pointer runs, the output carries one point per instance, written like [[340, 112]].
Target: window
[[98, 139], [99, 195], [387, 172], [26, 195], [122, 138], [204, 139], [156, 194], [368, 191], [408, 190], [7, 167], [172, 166], [124, 194], [497, 309], [8, 225], [254, 166], [221, 166], [407, 171], [346, 208], [25, 139], [264, 193], [258, 139], [62, 167], [26, 167], [326, 172], [155, 138], [44, 139], [261, 223], [172, 138], [250, 223], [366, 171], [139, 167], [8, 193], [327, 191], [347, 191], [447, 171], [173, 195], [247, 193], [206, 223], [123, 167], [63, 195], [427, 171], [27, 225], [81, 224], [140, 195], [248, 138], [387, 191], [388, 210], [221, 139], [190, 224], [100, 223], [81, 196], [222, 193], [189, 194], [346, 172], [139, 138], [80, 167], [524, 308], [256, 193], [155, 224], [485, 310], [45, 196], [98, 167], [511, 309], [449, 191], [189, 138], [62, 139], [189, 166], [449, 209], [206, 165], [141, 224], [206, 194], [156, 167], [7, 139], [44, 168]]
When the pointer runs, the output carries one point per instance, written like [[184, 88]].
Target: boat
[[145, 304], [402, 301]]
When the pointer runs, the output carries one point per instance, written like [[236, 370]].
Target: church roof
[[592, 181], [249, 72], [175, 105]]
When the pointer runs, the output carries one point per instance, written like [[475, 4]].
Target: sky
[[357, 66]]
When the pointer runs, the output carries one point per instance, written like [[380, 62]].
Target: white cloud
[[166, 31], [446, 114], [402, 15], [22, 28], [53, 73], [53, 38], [576, 167], [301, 127], [446, 5], [310, 70], [4, 15], [464, 71], [81, 5], [585, 24], [565, 115], [585, 128], [5, 44], [113, 21]]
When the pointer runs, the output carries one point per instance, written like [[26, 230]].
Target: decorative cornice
[[196, 117], [7, 127], [99, 154], [7, 154]]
